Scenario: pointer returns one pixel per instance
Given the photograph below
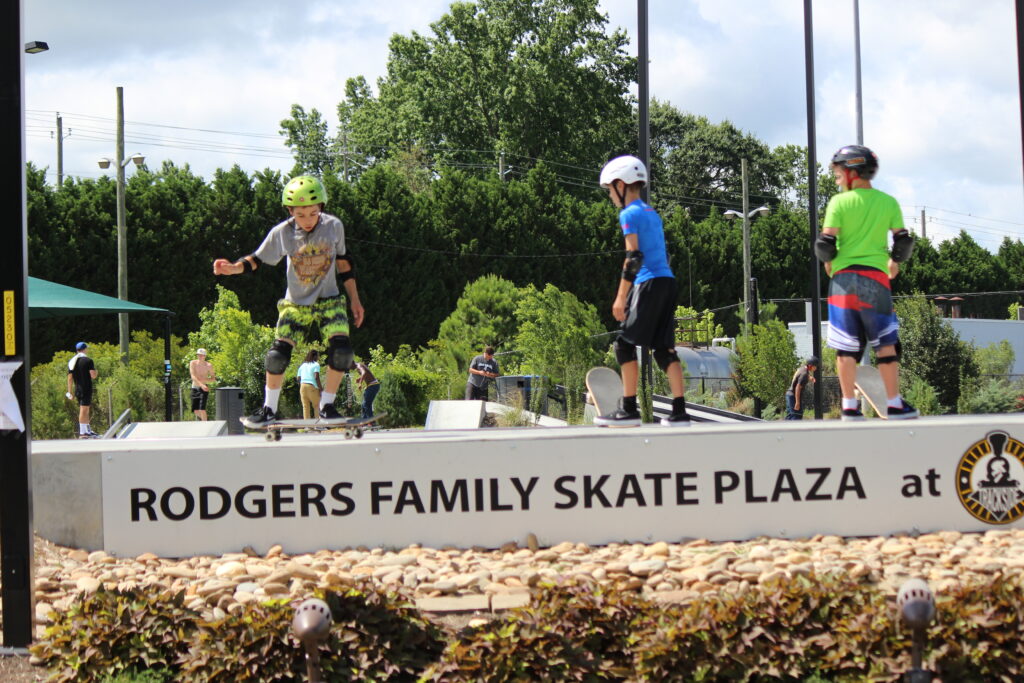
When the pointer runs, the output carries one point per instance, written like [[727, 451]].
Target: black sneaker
[[329, 412], [676, 420], [619, 418], [264, 415], [905, 412], [852, 415], [93, 435]]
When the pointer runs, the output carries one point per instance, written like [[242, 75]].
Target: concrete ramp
[[538, 420], [455, 415], [174, 430]]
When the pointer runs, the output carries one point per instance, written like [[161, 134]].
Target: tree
[[696, 327], [933, 351], [532, 79], [767, 358], [306, 135], [559, 339], [485, 314]]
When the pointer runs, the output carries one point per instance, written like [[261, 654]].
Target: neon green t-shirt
[[864, 217]]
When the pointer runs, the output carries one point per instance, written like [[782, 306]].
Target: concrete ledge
[[501, 601], [174, 430], [457, 603]]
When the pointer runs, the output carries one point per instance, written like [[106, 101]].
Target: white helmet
[[628, 169]]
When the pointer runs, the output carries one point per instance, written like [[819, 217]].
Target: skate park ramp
[[455, 415], [174, 430]]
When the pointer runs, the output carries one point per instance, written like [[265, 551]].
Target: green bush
[[920, 394], [988, 396], [116, 633]]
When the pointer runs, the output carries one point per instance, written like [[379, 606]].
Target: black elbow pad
[[634, 260], [825, 247], [902, 246]]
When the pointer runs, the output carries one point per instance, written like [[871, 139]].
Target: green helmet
[[305, 190]]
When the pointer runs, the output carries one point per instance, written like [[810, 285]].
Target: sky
[[207, 84]]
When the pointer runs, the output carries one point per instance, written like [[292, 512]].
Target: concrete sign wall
[[581, 484]]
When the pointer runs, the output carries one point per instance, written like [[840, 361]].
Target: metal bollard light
[[311, 625], [917, 606]]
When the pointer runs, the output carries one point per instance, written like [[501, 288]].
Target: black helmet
[[813, 360], [858, 158]]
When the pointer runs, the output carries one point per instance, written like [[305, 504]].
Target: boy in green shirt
[[854, 245]]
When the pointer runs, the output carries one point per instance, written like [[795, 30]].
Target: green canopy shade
[[50, 300]]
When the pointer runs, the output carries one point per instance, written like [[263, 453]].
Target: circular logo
[[989, 479]]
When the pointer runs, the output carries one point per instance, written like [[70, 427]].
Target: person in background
[[81, 373], [794, 395], [201, 372], [310, 385], [481, 369], [370, 386]]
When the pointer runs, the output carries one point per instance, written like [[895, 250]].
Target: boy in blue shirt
[[646, 299]]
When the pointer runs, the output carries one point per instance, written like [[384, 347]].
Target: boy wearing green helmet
[[313, 244]]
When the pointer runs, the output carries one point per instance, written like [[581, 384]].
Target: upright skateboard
[[353, 426], [604, 389], [869, 384]]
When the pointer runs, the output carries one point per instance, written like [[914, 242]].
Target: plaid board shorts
[[860, 310], [320, 320]]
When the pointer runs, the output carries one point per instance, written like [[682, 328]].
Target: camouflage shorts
[[304, 325]]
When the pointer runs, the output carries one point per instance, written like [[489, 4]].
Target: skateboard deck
[[869, 384], [353, 426], [605, 389]]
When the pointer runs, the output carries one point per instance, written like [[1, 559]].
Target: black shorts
[[199, 398], [84, 396], [651, 314]]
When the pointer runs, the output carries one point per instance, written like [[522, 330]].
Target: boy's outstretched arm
[[222, 266]]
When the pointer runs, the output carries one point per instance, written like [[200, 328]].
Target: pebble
[[666, 571]]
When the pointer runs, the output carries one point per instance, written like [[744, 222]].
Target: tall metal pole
[[122, 239], [60, 150], [643, 87], [812, 208], [856, 53], [16, 583], [746, 248], [1020, 61]]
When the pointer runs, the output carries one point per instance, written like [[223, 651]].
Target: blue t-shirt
[[643, 221], [308, 372]]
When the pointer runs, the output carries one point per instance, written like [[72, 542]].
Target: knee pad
[[856, 355], [340, 355], [665, 358], [881, 360], [278, 357], [624, 352]]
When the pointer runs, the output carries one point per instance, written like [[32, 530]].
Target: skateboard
[[604, 389], [353, 426], [869, 384]]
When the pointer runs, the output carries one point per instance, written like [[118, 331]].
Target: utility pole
[[746, 248], [924, 229], [344, 154], [122, 238], [60, 151], [501, 166], [644, 93]]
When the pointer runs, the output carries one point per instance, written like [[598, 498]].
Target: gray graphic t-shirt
[[312, 274], [481, 363]]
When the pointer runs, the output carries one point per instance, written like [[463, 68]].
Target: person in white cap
[[81, 373], [203, 376]]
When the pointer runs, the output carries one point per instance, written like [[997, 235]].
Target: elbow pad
[[902, 246], [825, 247], [351, 272], [634, 260]]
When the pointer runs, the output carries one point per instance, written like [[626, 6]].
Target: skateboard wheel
[[269, 436], [277, 436], [348, 433], [359, 433]]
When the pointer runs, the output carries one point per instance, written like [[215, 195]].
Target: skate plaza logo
[[990, 479]]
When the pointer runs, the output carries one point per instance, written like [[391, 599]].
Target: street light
[[122, 242], [35, 47], [746, 215]]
